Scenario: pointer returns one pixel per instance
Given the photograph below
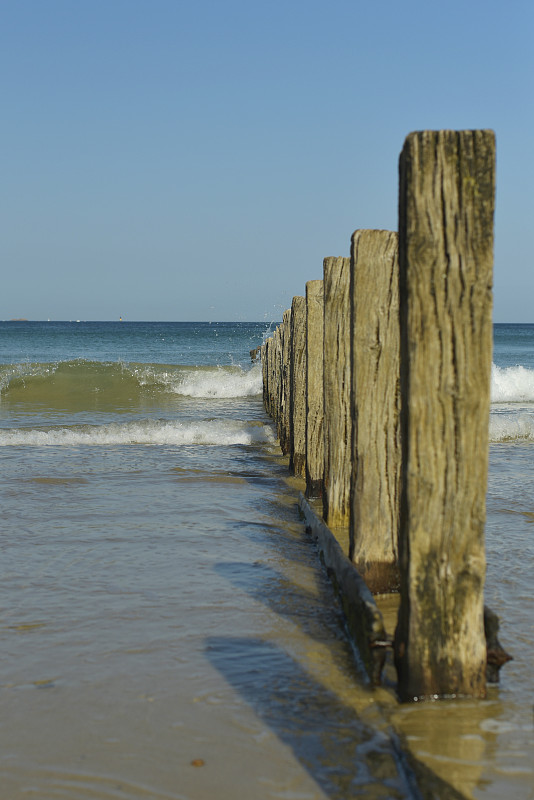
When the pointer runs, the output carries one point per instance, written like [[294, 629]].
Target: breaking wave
[[147, 432], [512, 384], [512, 404], [79, 383], [512, 426]]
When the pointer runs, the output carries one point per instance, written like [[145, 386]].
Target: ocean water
[[167, 630]]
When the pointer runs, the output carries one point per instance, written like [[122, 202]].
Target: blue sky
[[197, 160]]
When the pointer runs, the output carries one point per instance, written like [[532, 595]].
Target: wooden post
[[277, 366], [297, 450], [374, 501], [446, 204], [273, 355], [275, 376], [336, 376], [265, 374], [284, 428], [314, 389]]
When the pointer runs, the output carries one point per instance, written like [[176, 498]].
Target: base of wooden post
[[364, 619], [381, 577]]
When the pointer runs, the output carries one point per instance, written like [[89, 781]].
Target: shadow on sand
[[346, 757]]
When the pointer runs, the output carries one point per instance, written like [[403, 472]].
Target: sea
[[167, 629]]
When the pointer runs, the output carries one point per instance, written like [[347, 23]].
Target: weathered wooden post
[[284, 427], [265, 375], [277, 367], [271, 375], [297, 450], [374, 497], [275, 379], [314, 389], [446, 204], [336, 377]]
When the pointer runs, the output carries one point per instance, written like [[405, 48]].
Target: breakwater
[[378, 380]]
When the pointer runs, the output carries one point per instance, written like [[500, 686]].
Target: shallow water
[[155, 615], [167, 630]]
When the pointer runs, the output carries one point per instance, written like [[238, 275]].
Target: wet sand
[[169, 635]]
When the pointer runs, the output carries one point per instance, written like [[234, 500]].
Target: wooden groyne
[[378, 382]]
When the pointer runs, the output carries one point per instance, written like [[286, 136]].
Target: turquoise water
[[513, 345], [196, 344], [161, 603]]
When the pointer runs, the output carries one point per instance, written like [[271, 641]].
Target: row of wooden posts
[[378, 380]]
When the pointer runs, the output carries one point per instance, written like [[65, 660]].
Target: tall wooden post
[[297, 450], [265, 374], [275, 381], [314, 389], [284, 427], [446, 205], [271, 361], [336, 376], [375, 400]]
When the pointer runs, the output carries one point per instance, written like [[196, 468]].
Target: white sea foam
[[512, 384], [203, 432], [221, 383], [512, 398], [514, 426]]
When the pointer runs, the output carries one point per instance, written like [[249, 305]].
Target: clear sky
[[197, 159]]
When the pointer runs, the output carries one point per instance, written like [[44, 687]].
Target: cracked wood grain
[[297, 449], [375, 401], [446, 206], [336, 388], [314, 389]]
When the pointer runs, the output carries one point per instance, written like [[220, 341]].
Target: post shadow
[[345, 756], [317, 615]]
